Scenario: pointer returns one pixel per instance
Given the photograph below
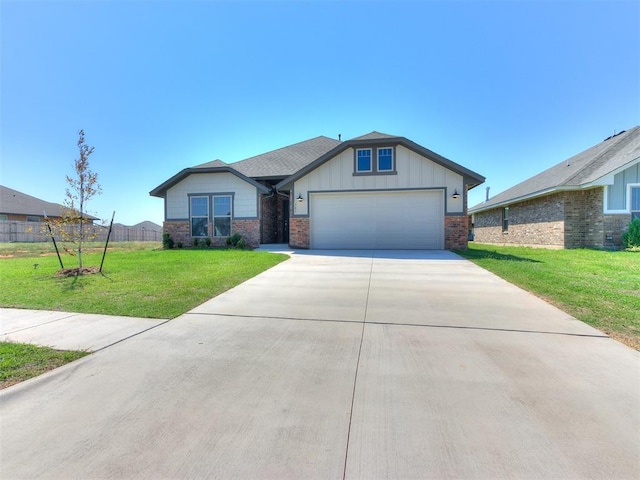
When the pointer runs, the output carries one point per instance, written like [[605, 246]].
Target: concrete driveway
[[341, 365]]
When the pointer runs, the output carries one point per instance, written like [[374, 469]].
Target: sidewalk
[[70, 331]]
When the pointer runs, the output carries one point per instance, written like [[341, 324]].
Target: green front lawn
[[600, 288], [139, 281], [19, 362]]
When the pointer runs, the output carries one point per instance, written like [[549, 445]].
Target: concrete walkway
[[69, 331], [341, 365]]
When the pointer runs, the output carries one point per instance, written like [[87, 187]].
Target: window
[[4, 217], [222, 216], [199, 216], [363, 160], [385, 159], [374, 161], [33, 218], [635, 202], [505, 219]]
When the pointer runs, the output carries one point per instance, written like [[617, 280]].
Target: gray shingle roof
[[18, 203], [212, 163], [579, 171], [374, 136], [284, 161]]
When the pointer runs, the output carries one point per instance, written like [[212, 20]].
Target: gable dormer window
[[375, 161]]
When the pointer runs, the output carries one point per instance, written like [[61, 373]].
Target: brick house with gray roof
[[20, 207], [587, 200], [373, 191]]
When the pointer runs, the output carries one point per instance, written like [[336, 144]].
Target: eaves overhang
[[161, 190]]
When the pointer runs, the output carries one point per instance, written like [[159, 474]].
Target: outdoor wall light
[[455, 194], [300, 199]]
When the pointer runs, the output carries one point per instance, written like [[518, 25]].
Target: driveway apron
[[341, 365]]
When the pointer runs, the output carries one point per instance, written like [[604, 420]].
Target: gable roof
[[161, 189], [289, 163], [373, 139], [580, 171], [285, 161], [18, 203]]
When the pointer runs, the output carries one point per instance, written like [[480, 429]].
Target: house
[[374, 191], [20, 207], [585, 201]]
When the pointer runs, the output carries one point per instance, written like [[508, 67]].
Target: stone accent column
[[299, 232]]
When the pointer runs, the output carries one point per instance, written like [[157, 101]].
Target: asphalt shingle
[[578, 171]]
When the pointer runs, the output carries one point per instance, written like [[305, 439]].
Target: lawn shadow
[[477, 254]]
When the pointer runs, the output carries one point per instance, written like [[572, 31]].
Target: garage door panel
[[387, 220]]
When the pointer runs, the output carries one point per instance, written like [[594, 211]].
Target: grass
[[138, 279], [601, 288], [19, 362]]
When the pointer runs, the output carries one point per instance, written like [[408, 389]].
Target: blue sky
[[505, 88]]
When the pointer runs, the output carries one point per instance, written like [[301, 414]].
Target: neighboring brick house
[[374, 191], [585, 201], [20, 207]]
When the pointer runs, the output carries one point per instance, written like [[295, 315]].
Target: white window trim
[[629, 187], [627, 208], [370, 150], [393, 160]]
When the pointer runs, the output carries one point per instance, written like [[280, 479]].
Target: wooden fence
[[13, 231]]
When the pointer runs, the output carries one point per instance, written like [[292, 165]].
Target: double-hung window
[[635, 202], [199, 213], [363, 160], [222, 215]]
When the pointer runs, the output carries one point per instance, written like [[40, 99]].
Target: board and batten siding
[[413, 172], [245, 195], [616, 194]]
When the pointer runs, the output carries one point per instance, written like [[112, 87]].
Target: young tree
[[82, 187]]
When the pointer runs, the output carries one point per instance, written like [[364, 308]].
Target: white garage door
[[385, 220]]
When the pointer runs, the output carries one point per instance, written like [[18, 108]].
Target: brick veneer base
[[456, 232], [562, 220], [249, 229], [299, 232]]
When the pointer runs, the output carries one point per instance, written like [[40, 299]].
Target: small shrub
[[631, 238], [241, 244], [233, 240], [167, 241], [179, 245], [195, 242], [207, 242]]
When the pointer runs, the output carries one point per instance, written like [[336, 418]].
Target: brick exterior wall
[[614, 227], [584, 220], [299, 232], [456, 232], [249, 229], [571, 219]]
